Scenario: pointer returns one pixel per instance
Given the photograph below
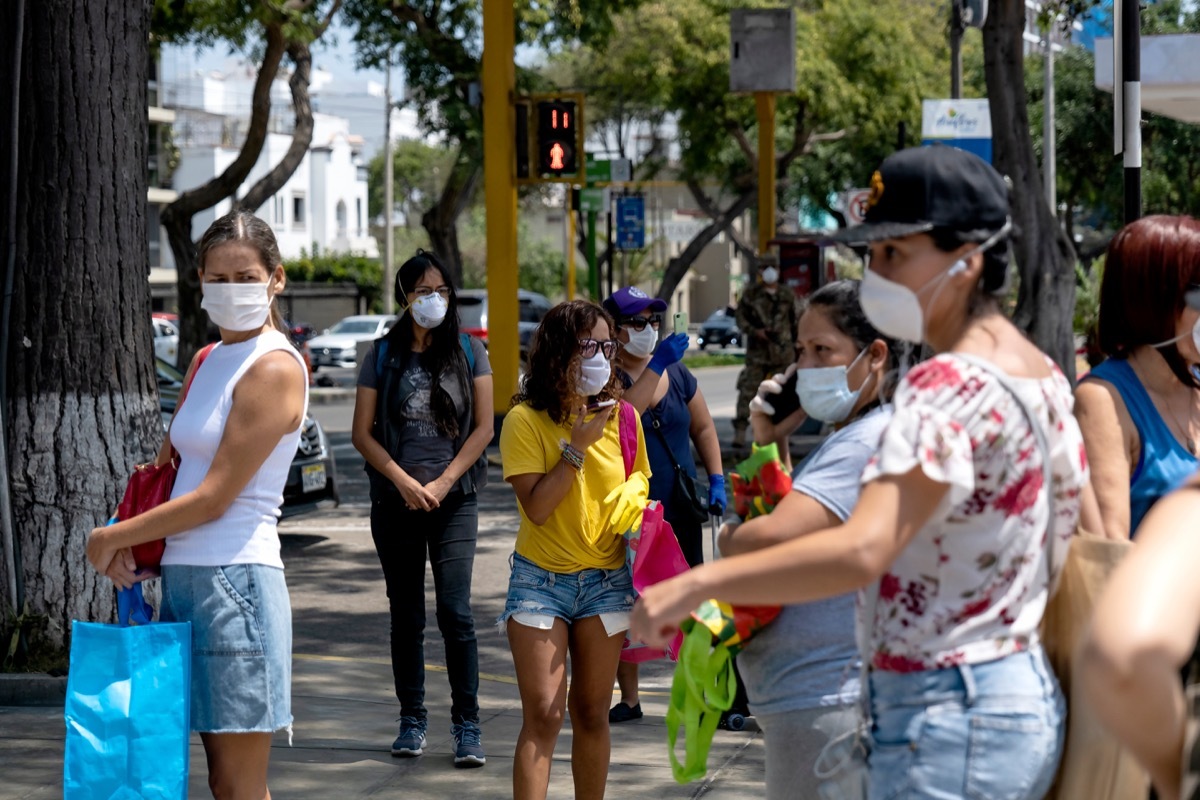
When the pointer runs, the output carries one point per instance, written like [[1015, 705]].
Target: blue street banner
[[631, 222]]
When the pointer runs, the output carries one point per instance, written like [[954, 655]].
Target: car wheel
[[703, 344]]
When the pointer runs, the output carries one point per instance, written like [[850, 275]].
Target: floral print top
[[972, 584]]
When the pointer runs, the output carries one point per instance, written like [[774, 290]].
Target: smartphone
[[786, 402], [600, 404], [681, 322]]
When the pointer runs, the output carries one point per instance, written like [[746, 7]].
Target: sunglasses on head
[[588, 347], [639, 323]]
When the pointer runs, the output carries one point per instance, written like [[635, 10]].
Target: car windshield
[[470, 312], [167, 373], [355, 326]]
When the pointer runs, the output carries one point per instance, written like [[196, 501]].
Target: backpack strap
[[627, 432], [465, 340], [380, 356]]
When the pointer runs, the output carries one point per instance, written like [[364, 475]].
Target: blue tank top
[[1164, 463]]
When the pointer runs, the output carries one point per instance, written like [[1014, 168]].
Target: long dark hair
[[245, 228], [554, 359], [444, 352], [840, 300]]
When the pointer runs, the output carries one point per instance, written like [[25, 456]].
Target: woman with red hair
[[1140, 410]]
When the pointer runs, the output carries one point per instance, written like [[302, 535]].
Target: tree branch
[[302, 134], [678, 266], [710, 208], [214, 191], [739, 135]]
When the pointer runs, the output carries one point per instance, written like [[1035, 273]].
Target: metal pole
[[500, 195], [593, 263], [612, 253], [901, 135], [956, 36], [1049, 133], [389, 200], [570, 247], [1131, 60], [764, 103]]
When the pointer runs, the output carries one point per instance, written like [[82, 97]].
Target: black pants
[[690, 535], [402, 539]]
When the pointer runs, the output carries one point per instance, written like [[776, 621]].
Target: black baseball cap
[[938, 186]]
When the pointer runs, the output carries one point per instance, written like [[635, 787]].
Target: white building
[[323, 206]]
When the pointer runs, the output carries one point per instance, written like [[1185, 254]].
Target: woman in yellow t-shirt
[[570, 591]]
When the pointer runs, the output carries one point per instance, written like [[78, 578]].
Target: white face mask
[[594, 373], [641, 343], [895, 310], [825, 393], [236, 306], [429, 311], [770, 275]]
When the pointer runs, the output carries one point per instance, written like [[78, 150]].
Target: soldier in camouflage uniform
[[767, 315]]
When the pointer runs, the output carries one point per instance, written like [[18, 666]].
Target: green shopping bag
[[703, 687]]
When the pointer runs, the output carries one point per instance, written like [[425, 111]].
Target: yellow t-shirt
[[530, 443]]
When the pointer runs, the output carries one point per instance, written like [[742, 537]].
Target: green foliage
[[206, 23], [1087, 297], [701, 360], [419, 171], [365, 273]]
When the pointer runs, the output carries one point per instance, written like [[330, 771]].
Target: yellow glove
[[627, 502]]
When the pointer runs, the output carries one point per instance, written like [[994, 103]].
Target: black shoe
[[621, 712]]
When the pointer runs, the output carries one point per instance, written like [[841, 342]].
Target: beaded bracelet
[[572, 456]]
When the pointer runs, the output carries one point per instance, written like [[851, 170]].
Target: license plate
[[312, 477]]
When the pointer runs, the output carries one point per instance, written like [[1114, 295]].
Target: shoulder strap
[[469, 350], [187, 384], [1043, 444], [627, 431], [381, 348], [656, 424]]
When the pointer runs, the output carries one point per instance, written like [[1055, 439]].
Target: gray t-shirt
[[424, 453], [808, 657]]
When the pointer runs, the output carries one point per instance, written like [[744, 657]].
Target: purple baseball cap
[[630, 300]]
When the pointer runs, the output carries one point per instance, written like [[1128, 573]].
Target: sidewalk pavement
[[345, 709]]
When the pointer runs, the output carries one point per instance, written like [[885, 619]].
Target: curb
[[326, 395], [32, 689]]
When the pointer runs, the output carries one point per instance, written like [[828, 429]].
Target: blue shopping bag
[[127, 707]]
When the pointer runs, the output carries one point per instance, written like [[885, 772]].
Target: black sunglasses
[[639, 323], [587, 347]]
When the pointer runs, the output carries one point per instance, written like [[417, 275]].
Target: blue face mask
[[825, 393]]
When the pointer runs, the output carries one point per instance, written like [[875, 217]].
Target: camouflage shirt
[[775, 312]]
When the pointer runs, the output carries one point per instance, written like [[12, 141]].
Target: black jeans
[[402, 538]]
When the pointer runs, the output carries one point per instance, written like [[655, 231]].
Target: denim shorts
[[991, 731], [241, 644], [537, 593]]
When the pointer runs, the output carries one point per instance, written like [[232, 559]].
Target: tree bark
[[1045, 257], [81, 406], [177, 217], [677, 267]]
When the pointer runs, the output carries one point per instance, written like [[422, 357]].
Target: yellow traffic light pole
[[764, 103], [500, 197]]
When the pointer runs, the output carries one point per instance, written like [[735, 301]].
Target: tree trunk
[[677, 267], [441, 221], [1045, 257], [176, 218], [81, 405]]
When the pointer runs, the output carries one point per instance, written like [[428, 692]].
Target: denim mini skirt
[[568, 596], [241, 644]]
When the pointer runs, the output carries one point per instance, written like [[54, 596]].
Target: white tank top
[[246, 532]]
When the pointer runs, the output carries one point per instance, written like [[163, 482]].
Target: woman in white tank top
[[236, 436]]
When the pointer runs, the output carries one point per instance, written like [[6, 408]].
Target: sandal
[[621, 712]]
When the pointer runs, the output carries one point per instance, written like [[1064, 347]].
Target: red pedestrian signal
[[557, 138]]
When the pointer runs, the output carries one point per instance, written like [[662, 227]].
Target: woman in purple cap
[[965, 513], [674, 415]]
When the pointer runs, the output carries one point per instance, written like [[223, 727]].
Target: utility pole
[[389, 201], [1131, 88], [1049, 130], [957, 28]]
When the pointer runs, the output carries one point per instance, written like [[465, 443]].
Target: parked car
[[338, 346], [719, 329], [312, 477], [166, 337], [473, 314]]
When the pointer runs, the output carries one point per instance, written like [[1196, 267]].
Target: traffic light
[[557, 138]]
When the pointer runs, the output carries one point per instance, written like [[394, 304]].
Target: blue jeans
[[402, 538], [991, 731]]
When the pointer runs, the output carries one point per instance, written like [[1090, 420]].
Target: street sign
[[965, 124], [631, 222], [593, 200], [618, 170], [855, 206]]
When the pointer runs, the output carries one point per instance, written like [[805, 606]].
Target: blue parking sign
[[631, 222]]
